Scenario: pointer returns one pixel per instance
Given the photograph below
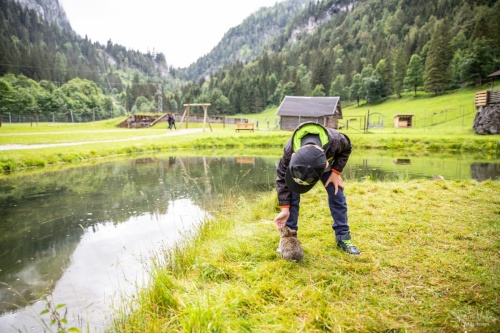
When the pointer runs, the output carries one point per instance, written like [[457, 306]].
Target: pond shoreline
[[75, 150]]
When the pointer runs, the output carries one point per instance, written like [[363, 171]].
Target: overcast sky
[[183, 30]]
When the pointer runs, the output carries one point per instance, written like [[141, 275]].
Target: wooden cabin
[[295, 110]]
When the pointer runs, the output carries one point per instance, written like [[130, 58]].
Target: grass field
[[430, 263], [451, 113]]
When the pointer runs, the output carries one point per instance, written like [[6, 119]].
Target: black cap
[[305, 169]]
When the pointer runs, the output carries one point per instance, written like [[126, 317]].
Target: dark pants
[[338, 209]]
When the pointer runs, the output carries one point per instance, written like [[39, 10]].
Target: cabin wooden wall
[[289, 123]]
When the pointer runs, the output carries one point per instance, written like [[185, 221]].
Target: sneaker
[[348, 246]]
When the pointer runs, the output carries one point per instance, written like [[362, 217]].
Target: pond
[[87, 234]]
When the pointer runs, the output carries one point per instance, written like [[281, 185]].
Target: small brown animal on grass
[[291, 248]]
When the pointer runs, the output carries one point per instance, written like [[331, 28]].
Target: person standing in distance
[[172, 121], [314, 153], [169, 119]]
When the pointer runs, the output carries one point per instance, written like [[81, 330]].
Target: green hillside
[[451, 113]]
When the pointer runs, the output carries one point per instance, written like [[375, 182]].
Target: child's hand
[[282, 217], [336, 180]]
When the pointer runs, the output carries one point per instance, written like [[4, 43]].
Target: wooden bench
[[244, 127]]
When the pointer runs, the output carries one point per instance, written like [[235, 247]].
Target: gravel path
[[37, 146]]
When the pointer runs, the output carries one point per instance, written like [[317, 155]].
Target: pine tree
[[320, 71], [437, 75], [399, 73], [355, 88], [383, 72], [415, 73]]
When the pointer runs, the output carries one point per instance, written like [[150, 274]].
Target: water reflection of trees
[[44, 216]]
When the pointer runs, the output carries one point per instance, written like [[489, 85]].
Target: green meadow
[[452, 113], [430, 262]]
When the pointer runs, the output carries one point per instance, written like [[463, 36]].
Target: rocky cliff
[[49, 10]]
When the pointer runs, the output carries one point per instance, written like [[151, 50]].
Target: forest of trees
[[75, 101], [246, 41], [39, 58], [363, 51]]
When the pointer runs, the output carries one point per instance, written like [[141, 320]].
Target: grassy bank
[[98, 138], [430, 263]]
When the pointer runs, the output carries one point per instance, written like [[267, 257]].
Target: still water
[[87, 234]]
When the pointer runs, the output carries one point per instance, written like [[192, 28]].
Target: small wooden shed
[[403, 121], [295, 110], [493, 76]]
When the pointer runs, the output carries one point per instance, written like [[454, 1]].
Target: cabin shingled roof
[[494, 74], [305, 106]]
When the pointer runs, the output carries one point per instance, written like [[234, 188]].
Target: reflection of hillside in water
[[393, 166], [44, 216]]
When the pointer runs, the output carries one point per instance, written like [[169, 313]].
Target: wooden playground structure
[[141, 121], [205, 114]]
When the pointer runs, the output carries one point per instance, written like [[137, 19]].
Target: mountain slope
[[361, 50], [248, 40]]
